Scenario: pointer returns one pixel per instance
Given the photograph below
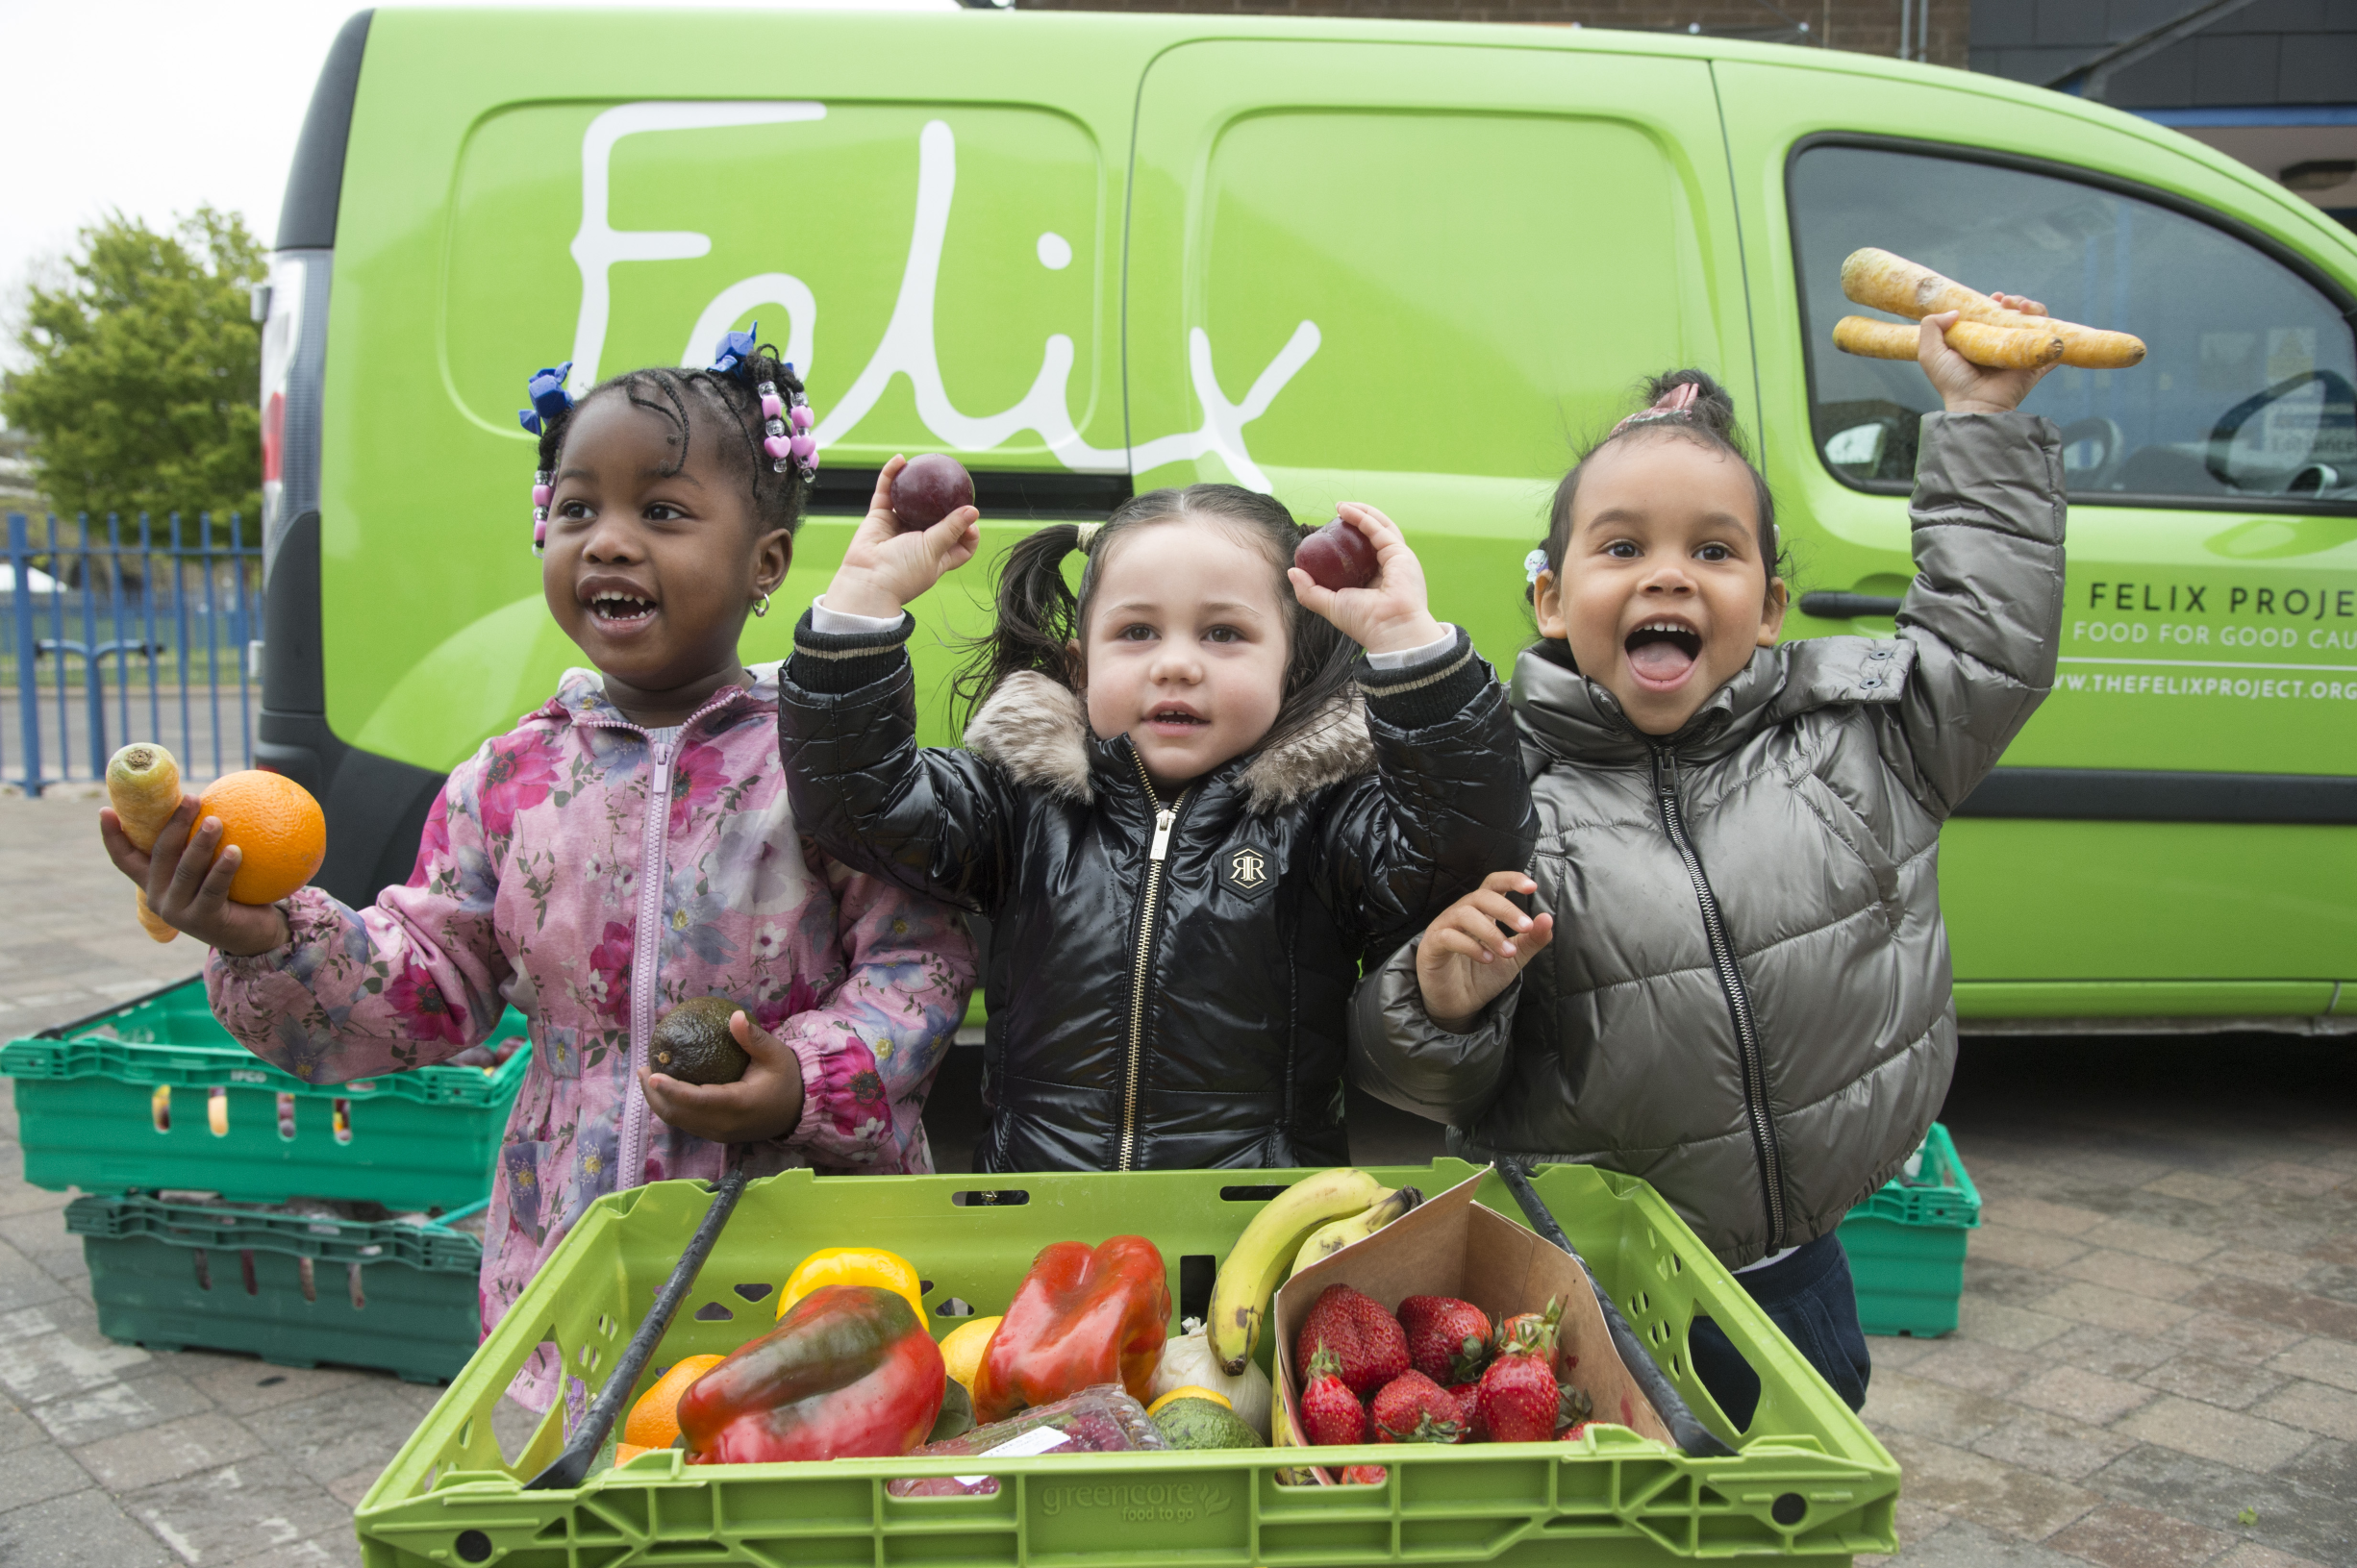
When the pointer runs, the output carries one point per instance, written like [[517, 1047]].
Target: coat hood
[[1038, 729], [1574, 719]]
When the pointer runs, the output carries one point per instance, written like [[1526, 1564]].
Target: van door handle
[[1834, 605]]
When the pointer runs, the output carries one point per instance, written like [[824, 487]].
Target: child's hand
[[767, 1103], [1967, 388], [885, 569], [1464, 960], [1388, 616], [186, 882]]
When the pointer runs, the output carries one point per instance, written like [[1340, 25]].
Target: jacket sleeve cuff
[[312, 920], [1431, 691], [831, 663]]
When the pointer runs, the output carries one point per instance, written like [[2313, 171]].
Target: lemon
[[962, 1346]]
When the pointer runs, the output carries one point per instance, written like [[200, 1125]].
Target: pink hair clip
[[1670, 405]]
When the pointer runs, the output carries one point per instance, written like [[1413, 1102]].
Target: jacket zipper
[[646, 943], [1166, 817], [1739, 1002]]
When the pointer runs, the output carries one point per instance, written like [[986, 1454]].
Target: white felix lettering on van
[[598, 245], [907, 347]]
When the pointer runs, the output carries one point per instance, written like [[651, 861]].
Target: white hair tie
[[1533, 564], [1085, 535]]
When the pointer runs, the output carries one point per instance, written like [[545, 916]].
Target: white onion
[[1188, 1362]]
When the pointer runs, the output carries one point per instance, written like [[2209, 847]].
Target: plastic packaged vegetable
[[1099, 1420]]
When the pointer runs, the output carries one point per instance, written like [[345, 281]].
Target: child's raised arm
[[1982, 622]]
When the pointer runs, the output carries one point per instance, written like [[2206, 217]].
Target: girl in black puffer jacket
[[1186, 807]]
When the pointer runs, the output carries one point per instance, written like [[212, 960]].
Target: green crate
[[292, 1289], [1809, 1485], [1906, 1245], [86, 1115]]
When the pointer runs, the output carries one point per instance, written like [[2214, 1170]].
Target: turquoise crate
[[292, 1289], [126, 1101], [1906, 1245], [1808, 1483]]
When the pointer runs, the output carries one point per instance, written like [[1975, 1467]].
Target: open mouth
[[610, 607], [1176, 720], [1662, 653]]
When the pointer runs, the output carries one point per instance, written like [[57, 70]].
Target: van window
[[1486, 287], [2249, 390]]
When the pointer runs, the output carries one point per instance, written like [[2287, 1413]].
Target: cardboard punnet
[[1452, 1246]]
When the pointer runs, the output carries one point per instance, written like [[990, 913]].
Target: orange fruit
[[277, 827], [653, 1421]]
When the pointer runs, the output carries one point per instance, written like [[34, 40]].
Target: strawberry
[[1468, 1408], [1449, 1341], [1330, 1412], [1413, 1409], [1363, 1474], [1368, 1341], [1518, 1400]]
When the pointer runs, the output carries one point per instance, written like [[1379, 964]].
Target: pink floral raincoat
[[542, 879]]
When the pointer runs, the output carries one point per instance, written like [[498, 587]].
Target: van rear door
[[1417, 274]]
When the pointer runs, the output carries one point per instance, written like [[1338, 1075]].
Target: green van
[[1401, 263]]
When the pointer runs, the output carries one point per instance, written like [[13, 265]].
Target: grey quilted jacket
[[1748, 1000]]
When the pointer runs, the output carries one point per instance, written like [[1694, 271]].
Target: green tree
[[144, 372]]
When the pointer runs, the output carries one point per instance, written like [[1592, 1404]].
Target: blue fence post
[[28, 673], [188, 665], [57, 640], [213, 638], [147, 622], [245, 636], [93, 672]]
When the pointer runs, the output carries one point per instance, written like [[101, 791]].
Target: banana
[[1256, 1267], [1328, 1240]]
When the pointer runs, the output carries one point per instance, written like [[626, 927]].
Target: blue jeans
[[1809, 1296]]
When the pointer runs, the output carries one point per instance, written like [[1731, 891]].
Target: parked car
[[1408, 263]]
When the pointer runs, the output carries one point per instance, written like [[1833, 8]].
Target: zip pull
[[663, 753], [1162, 821]]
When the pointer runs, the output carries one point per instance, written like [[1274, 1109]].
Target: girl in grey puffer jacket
[[1747, 998]]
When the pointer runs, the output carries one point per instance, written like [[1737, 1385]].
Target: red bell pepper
[[1082, 1316], [850, 1372]]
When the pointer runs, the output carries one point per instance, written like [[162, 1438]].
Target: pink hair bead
[[539, 496], [771, 406], [802, 416], [539, 534], [804, 447], [777, 447]]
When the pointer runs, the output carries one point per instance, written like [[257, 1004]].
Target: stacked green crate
[[174, 1132], [1906, 1244]]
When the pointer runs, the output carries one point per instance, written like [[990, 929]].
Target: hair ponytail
[[1038, 613]]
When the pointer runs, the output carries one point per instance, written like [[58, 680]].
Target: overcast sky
[[153, 107]]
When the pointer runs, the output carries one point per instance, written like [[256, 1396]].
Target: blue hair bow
[[548, 396], [735, 350]]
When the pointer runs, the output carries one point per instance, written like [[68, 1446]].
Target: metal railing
[[86, 604]]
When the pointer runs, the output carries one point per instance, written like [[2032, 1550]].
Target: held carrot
[[1999, 348], [143, 786], [1884, 281]]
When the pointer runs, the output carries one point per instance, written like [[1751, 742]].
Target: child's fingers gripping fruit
[[1966, 388], [185, 875], [1388, 616], [766, 1103], [1476, 948], [886, 566]]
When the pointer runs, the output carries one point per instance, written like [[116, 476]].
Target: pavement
[[2157, 1366]]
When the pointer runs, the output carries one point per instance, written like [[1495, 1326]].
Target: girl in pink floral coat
[[625, 848]]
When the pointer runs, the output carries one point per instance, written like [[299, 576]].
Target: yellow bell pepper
[[854, 1266]]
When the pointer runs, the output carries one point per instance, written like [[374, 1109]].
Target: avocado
[[1200, 1423], [692, 1044]]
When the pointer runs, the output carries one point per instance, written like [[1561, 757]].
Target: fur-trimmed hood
[[1038, 729]]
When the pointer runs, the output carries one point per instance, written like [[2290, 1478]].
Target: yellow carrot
[[2000, 348], [1883, 281], [143, 786]]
